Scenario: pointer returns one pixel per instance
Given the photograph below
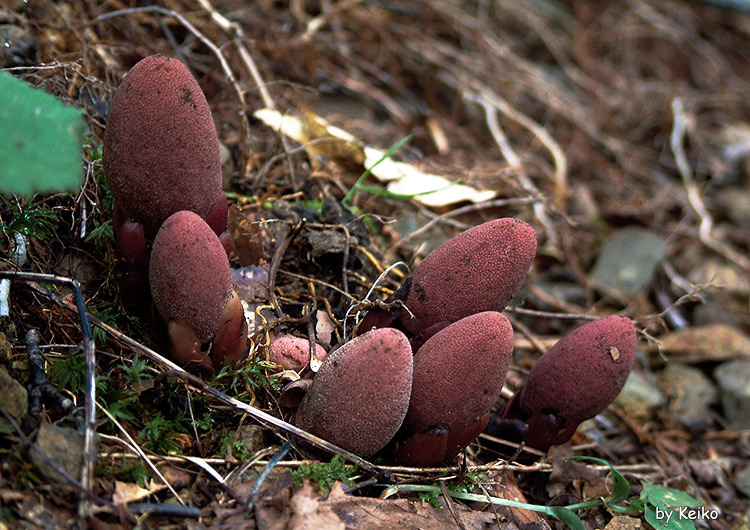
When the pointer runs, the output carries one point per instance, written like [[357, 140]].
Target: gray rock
[[62, 445], [691, 393], [17, 46], [628, 261], [13, 398], [733, 378], [736, 203], [252, 437], [639, 397], [742, 480], [743, 523]]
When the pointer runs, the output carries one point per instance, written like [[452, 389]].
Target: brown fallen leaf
[[309, 513], [247, 237], [712, 342], [504, 486], [590, 483], [366, 513], [126, 492], [288, 508]]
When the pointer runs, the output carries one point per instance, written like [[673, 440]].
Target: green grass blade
[[388, 154], [560, 513], [620, 486]]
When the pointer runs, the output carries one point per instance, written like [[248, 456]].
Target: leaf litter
[[581, 118]]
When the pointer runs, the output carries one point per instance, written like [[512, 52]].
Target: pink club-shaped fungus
[[458, 375], [575, 380], [478, 270], [161, 151], [293, 353], [192, 290], [161, 155], [359, 397]]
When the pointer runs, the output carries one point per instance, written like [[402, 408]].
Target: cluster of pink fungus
[[421, 380], [162, 163], [462, 343]]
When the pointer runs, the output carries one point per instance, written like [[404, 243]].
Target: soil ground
[[582, 118]]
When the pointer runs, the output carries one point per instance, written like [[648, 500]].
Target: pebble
[[732, 378], [742, 480], [639, 397], [13, 399], [62, 445], [628, 261], [691, 393], [17, 46]]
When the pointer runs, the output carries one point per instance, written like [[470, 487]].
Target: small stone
[[639, 397], [63, 445], [628, 261], [17, 46], [13, 399], [569, 292], [743, 523], [329, 242], [736, 203], [252, 437], [691, 394], [733, 377], [742, 480]]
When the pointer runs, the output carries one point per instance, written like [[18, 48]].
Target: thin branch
[[705, 231]]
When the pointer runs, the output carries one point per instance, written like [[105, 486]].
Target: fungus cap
[[360, 395], [583, 373], [161, 151], [189, 274], [293, 353], [459, 373], [478, 270]]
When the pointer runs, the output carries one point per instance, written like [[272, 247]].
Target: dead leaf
[[324, 328], [504, 486], [405, 179], [712, 342], [126, 492], [365, 513], [565, 473], [247, 237], [309, 513]]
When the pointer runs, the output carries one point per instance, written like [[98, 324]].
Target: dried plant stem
[[705, 231], [488, 98], [133, 445], [239, 41], [491, 106], [89, 448], [201, 386], [498, 203], [196, 32]]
